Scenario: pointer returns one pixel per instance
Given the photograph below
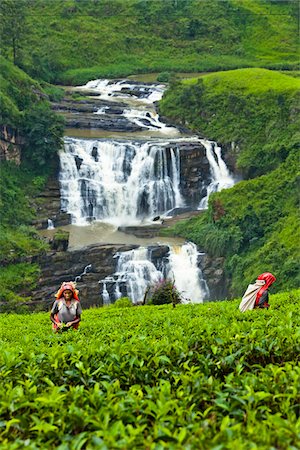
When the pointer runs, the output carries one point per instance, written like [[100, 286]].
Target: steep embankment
[[256, 223], [75, 41], [30, 137]]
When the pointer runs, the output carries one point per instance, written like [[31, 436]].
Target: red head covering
[[67, 286], [269, 279]]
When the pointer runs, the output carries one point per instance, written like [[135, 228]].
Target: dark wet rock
[[78, 161], [60, 266], [47, 206], [176, 211], [103, 122], [95, 153]]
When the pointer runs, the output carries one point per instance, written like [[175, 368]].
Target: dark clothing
[[263, 300]]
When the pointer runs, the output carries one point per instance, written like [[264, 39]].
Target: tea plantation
[[154, 377]]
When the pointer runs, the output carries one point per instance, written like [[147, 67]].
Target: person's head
[[67, 294], [268, 278], [67, 291]]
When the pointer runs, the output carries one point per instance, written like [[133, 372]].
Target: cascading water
[[119, 182], [221, 178], [184, 269], [125, 89], [50, 225], [137, 271], [125, 182]]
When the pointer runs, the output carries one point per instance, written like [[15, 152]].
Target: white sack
[[248, 300]]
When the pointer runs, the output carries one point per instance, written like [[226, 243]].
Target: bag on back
[[248, 300]]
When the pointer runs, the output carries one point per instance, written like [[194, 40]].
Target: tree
[[43, 131], [13, 28]]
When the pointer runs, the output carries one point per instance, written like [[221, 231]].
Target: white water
[[108, 90], [128, 182], [136, 272], [183, 268], [124, 183], [85, 271], [148, 120], [221, 178], [50, 225]]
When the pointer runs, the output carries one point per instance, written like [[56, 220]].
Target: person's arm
[[54, 311], [77, 320]]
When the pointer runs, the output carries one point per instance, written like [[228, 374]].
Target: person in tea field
[[257, 294], [66, 310]]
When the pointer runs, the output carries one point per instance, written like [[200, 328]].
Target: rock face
[[195, 171], [87, 266], [47, 205], [10, 144]]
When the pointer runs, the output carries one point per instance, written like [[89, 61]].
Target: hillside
[[197, 376], [254, 115], [26, 113], [73, 41]]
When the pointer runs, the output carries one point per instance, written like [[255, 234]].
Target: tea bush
[[123, 302], [155, 377]]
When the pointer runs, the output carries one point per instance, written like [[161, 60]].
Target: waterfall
[[119, 182], [183, 268], [86, 270], [107, 89], [147, 119], [137, 270], [50, 225], [220, 176], [105, 295]]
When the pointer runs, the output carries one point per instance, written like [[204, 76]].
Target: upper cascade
[[125, 182], [124, 89]]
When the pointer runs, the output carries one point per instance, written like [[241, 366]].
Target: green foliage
[[254, 108], [17, 240], [164, 77], [16, 282], [55, 93], [197, 376], [255, 225], [13, 28], [123, 302], [165, 292], [43, 130], [116, 38]]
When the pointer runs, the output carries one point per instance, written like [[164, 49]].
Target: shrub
[[164, 77], [123, 302], [165, 292]]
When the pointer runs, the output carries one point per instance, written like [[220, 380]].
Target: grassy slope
[[73, 42], [20, 96], [256, 223], [197, 376]]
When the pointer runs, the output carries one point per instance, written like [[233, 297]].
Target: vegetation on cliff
[[194, 376], [255, 225], [74, 41], [25, 109]]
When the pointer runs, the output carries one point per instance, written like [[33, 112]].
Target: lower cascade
[[143, 267]]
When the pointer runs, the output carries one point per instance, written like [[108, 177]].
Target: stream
[[129, 169]]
